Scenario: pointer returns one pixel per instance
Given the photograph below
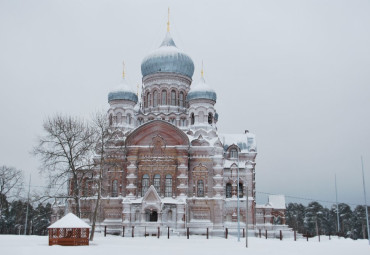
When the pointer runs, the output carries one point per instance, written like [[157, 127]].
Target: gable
[[158, 129]]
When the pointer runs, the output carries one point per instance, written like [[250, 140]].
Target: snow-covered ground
[[36, 245]]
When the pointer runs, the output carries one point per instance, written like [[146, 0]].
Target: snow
[[244, 141], [201, 86], [14, 244], [123, 86], [69, 221], [277, 201]]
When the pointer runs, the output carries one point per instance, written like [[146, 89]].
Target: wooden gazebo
[[69, 230]]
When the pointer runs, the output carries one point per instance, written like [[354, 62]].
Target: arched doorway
[[151, 216]]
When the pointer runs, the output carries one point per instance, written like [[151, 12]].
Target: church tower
[[167, 76], [122, 101]]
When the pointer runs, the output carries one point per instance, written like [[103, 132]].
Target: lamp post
[[238, 211], [367, 214], [247, 218]]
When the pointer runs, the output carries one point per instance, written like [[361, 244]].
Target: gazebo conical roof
[[69, 221]]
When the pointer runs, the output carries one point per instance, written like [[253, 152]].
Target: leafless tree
[[66, 152], [104, 141], [11, 181]]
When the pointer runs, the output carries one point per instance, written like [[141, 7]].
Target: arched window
[[200, 188], [149, 98], [233, 153], [155, 98], [183, 122], [192, 118], [173, 97], [86, 188], [241, 190], [228, 190], [169, 215], [181, 99], [210, 118], [144, 184], [140, 121], [110, 120], [164, 97], [137, 216], [168, 186], [157, 183], [128, 119], [119, 118], [115, 188]]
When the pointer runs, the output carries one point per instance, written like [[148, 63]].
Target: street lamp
[[238, 211]]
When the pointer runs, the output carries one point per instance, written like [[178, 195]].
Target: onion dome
[[168, 59], [201, 90], [123, 92]]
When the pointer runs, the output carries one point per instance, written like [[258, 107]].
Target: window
[[233, 153], [168, 186], [192, 118], [210, 118], [169, 215], [164, 97], [144, 184], [183, 123], [241, 190], [115, 188], [157, 183], [200, 188], [149, 98], [228, 190], [155, 98], [173, 120], [86, 188], [110, 120], [119, 118], [129, 119], [181, 99], [173, 97], [140, 121]]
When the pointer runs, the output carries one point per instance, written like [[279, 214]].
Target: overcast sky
[[295, 73]]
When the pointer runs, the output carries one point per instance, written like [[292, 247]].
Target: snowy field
[[36, 245]]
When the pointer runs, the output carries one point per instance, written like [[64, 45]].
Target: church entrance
[[151, 216]]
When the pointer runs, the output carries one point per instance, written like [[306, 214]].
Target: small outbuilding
[[69, 230]]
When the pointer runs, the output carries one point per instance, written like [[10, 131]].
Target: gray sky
[[295, 73]]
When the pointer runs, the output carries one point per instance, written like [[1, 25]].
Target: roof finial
[[168, 21], [123, 71], [202, 72]]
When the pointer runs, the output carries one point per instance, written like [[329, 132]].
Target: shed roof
[[69, 221]]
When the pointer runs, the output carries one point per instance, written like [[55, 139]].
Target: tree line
[[315, 219], [13, 217]]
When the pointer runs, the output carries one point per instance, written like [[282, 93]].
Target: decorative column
[[131, 179], [218, 180], [182, 180]]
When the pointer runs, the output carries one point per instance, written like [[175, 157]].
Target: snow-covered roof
[[277, 201], [69, 221], [123, 92], [245, 142], [169, 59], [201, 90]]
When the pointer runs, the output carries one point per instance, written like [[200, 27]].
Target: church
[[174, 168]]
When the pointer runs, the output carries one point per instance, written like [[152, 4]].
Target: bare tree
[[66, 153], [104, 138], [11, 181]]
